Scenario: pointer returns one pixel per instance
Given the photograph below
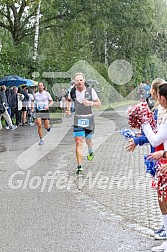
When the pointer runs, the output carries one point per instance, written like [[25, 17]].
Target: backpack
[[73, 93]]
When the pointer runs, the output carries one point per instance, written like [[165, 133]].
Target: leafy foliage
[[96, 31]]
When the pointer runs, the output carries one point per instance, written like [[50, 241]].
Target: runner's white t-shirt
[[80, 96], [42, 99]]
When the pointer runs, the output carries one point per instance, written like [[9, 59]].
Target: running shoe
[[41, 142], [79, 169], [158, 231], [160, 236], [13, 127], [90, 156]]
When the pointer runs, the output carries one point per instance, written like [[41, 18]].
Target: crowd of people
[[15, 104]]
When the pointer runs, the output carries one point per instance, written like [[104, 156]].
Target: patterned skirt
[[161, 181]]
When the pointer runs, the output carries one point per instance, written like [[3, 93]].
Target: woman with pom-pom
[[142, 139], [156, 138]]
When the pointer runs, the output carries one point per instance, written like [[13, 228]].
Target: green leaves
[[96, 31]]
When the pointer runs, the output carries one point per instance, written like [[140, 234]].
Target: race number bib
[[83, 122], [41, 106]]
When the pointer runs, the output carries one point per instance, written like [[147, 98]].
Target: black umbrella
[[12, 80]]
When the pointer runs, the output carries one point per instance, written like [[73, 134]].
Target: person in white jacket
[[155, 139]]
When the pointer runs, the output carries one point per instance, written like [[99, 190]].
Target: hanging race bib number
[[41, 107], [83, 122]]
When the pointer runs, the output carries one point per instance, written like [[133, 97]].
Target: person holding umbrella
[[25, 101]]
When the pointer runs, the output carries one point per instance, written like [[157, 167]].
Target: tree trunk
[[36, 38], [106, 48]]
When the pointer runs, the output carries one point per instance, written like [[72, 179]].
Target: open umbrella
[[31, 83], [12, 80]]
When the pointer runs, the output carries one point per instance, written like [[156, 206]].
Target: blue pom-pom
[[151, 165], [127, 133]]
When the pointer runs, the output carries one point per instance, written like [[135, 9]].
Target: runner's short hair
[[78, 73]]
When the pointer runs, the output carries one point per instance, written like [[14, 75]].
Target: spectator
[[141, 91], [24, 91], [3, 111]]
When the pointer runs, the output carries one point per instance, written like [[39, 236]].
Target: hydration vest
[[80, 109]]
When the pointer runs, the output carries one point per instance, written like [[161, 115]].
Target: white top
[[31, 98], [20, 97], [42, 99], [158, 138], [80, 96]]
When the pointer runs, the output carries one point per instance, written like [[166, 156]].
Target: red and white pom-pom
[[161, 181], [139, 114]]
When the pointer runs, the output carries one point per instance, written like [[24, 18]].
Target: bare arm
[[51, 103], [32, 105], [155, 155]]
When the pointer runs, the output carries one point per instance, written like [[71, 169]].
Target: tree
[[19, 18], [36, 32], [96, 31]]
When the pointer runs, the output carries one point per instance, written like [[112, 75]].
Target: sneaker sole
[[157, 237]]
